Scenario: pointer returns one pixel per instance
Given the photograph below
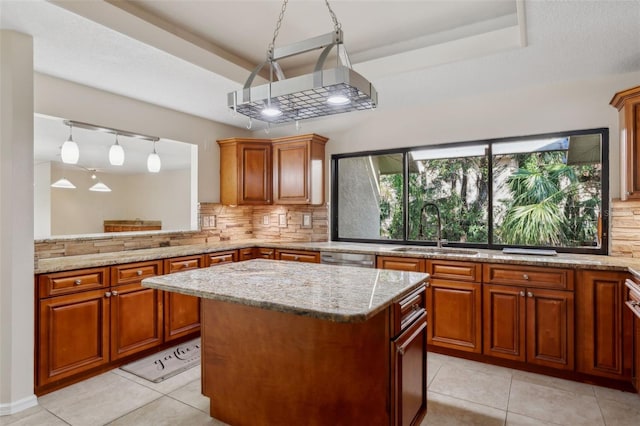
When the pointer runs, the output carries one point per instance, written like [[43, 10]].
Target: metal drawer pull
[[427, 284], [525, 276], [107, 294], [529, 294], [77, 282], [114, 293], [522, 293], [186, 264], [296, 258], [139, 273]]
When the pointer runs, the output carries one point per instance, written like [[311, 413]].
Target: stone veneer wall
[[232, 224], [625, 228]]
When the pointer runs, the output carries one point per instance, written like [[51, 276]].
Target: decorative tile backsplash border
[[218, 223], [625, 228]]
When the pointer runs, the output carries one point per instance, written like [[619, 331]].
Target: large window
[[542, 191]]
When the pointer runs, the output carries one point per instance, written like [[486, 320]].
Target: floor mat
[[167, 363]]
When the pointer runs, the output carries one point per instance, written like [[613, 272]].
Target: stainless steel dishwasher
[[348, 259]]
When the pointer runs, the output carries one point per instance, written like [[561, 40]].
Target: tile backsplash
[[625, 228], [218, 223]]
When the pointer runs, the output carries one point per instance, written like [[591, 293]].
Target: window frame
[[405, 151]]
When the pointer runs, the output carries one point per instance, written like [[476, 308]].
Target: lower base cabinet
[[73, 335], [529, 325], [181, 311]]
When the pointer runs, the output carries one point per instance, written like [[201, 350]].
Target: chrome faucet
[[439, 239]]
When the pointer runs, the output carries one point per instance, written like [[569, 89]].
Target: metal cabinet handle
[[529, 294], [114, 293], [525, 276], [77, 282], [139, 273], [522, 293], [107, 294], [296, 258], [427, 284], [186, 264]]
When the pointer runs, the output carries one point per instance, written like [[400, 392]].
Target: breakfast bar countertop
[[335, 293]]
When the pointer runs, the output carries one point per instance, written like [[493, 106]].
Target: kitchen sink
[[437, 250]]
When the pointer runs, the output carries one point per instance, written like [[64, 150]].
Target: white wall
[[16, 223], [62, 98], [163, 196], [42, 199]]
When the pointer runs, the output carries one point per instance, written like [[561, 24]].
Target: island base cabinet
[[409, 356], [73, 335], [263, 367]]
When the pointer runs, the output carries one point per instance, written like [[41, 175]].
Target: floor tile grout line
[[467, 400], [134, 410], [187, 404], [58, 417]]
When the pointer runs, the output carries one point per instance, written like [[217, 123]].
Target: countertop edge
[[573, 261]]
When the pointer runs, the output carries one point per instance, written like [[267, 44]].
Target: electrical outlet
[[306, 220], [265, 219], [282, 220], [213, 221]]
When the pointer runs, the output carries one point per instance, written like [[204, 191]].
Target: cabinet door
[[401, 263], [409, 355], [601, 347], [628, 104], [181, 311], [73, 335], [246, 253], [550, 328], [455, 315], [504, 316], [136, 319], [254, 174], [264, 253], [291, 173]]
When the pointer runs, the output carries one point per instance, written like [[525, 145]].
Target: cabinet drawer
[[135, 272], [221, 257], [408, 309], [401, 263], [454, 270], [265, 253], [178, 264], [59, 283], [245, 253], [298, 256], [529, 276]]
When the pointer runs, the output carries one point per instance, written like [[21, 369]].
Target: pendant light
[[116, 154], [100, 187], [63, 183], [153, 161], [70, 153]]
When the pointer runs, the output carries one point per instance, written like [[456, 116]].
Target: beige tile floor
[[460, 393]]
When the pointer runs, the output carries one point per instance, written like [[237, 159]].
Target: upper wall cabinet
[[245, 171], [298, 169], [286, 170], [628, 104]]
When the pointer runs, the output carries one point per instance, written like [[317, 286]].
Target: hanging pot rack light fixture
[[318, 94]]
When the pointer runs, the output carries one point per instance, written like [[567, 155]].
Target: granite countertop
[[562, 260], [335, 293]]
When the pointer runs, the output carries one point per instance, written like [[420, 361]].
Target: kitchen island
[[291, 343]]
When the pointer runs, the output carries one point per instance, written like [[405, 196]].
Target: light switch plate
[[306, 220], [265, 219], [282, 220]]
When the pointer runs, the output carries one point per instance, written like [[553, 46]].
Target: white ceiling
[[187, 55]]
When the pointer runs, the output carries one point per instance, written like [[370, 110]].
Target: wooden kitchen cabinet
[[627, 103], [136, 311], [454, 305], [72, 332], [298, 169], [298, 256], [181, 311], [633, 304], [603, 326], [246, 253], [221, 257], [411, 264], [245, 171], [264, 253], [531, 321]]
